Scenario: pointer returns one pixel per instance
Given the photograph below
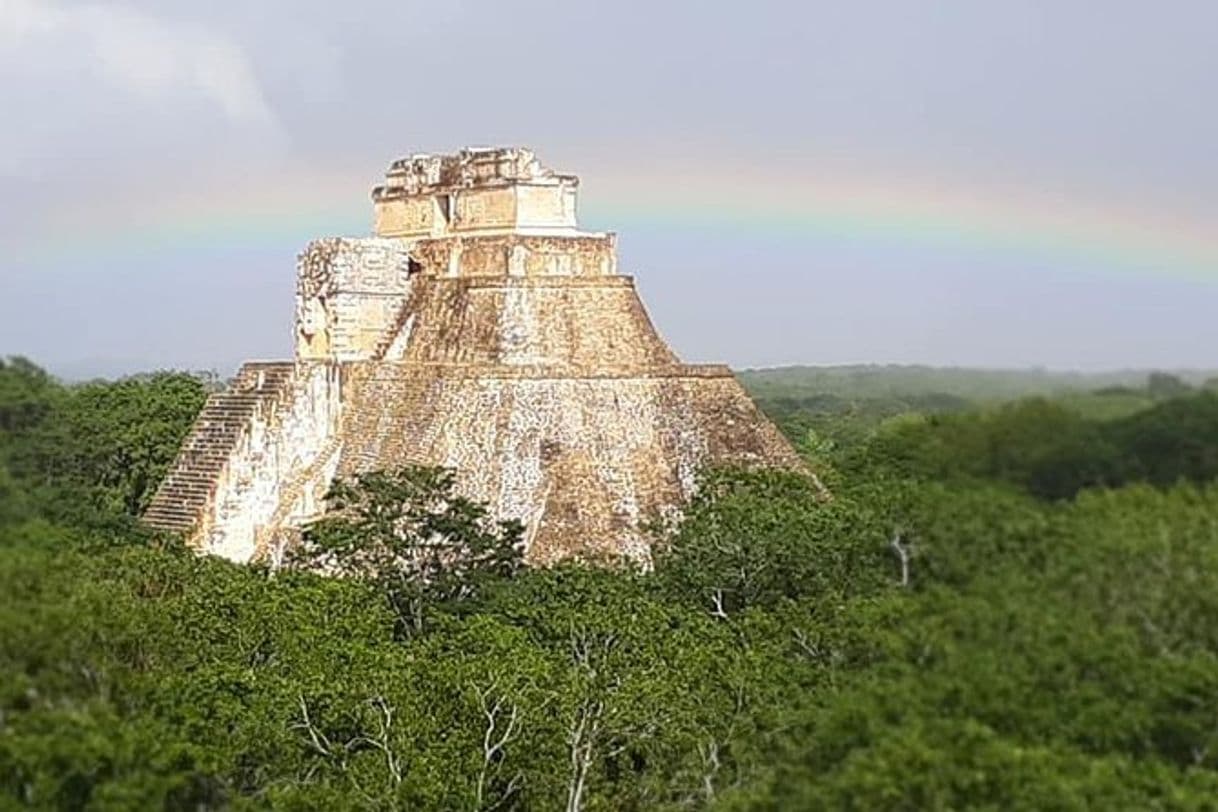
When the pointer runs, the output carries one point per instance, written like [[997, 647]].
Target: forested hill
[[1007, 604], [975, 384]]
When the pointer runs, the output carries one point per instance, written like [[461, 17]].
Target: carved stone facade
[[481, 330]]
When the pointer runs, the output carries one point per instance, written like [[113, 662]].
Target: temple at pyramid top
[[475, 191]]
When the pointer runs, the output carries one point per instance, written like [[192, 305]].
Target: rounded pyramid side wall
[[582, 462], [579, 322]]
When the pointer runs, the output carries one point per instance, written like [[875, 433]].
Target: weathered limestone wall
[[579, 322], [408, 217], [280, 463], [473, 191], [517, 255], [349, 292], [581, 461], [489, 208], [545, 206]]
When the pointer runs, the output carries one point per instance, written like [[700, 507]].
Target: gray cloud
[[1090, 104], [139, 53], [61, 59]]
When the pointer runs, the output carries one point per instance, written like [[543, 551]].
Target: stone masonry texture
[[481, 330]]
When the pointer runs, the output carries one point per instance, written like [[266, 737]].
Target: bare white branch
[[581, 742], [809, 647], [495, 737], [317, 739], [381, 741], [710, 763], [902, 550]]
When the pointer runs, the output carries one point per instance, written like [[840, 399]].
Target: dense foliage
[[1003, 606], [1052, 451], [92, 453], [409, 534]]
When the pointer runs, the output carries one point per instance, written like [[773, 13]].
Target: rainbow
[[1006, 223], [283, 212]]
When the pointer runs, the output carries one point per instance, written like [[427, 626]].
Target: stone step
[[176, 502], [233, 399], [187, 491], [172, 515], [172, 527], [188, 485], [189, 471], [172, 504]]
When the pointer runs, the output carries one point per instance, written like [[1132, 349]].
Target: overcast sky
[[1019, 182]]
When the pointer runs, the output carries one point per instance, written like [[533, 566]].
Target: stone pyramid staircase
[[189, 487]]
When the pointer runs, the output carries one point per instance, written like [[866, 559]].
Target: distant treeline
[[1052, 451], [1156, 428], [901, 381]]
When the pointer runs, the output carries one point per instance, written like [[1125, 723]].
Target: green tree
[[93, 453], [1175, 440], [755, 538], [411, 534], [27, 395], [1163, 385]]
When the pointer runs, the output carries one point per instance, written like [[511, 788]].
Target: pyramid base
[[583, 461]]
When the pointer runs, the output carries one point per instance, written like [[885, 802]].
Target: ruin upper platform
[[499, 189], [423, 173]]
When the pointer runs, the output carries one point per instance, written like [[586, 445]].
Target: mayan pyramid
[[479, 329]]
